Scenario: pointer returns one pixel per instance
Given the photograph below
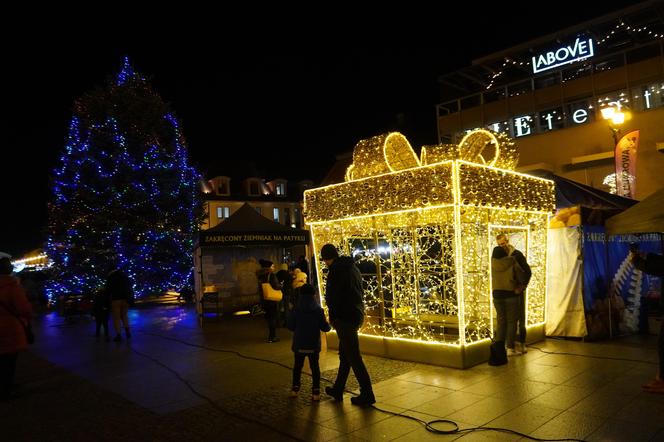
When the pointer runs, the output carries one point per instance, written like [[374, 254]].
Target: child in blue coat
[[307, 320]]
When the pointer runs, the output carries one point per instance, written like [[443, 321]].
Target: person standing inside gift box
[[15, 312], [266, 275]]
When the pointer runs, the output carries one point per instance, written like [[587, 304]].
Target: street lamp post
[[614, 114]]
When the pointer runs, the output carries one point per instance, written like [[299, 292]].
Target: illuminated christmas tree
[[124, 193]]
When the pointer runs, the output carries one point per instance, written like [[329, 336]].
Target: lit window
[[281, 189], [275, 214], [223, 212]]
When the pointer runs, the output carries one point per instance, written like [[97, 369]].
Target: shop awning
[[644, 217], [246, 227]]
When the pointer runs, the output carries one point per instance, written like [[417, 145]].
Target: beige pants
[[119, 309]]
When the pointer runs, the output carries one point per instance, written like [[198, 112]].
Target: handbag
[[270, 294]]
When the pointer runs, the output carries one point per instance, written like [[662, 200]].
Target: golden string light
[[422, 231]]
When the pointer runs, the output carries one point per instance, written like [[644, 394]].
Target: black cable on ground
[[210, 401], [429, 425], [592, 356]]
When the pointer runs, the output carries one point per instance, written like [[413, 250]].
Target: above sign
[[567, 54]]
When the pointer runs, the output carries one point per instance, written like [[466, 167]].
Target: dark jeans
[[315, 370], [507, 313], [7, 371], [271, 316], [350, 357], [521, 318], [102, 321]]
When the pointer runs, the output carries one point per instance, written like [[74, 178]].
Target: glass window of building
[[448, 108], [275, 214], [223, 212], [547, 80], [606, 64], [551, 119], [254, 188], [643, 53], [287, 217], [520, 88], [281, 189], [495, 95], [523, 125], [577, 71], [296, 218], [258, 209], [579, 112], [647, 96], [499, 126], [470, 102], [223, 188]]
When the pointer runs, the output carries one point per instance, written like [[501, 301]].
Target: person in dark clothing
[[303, 265], [286, 280], [102, 310], [266, 275], [653, 264], [344, 298], [505, 298], [307, 320], [523, 274], [15, 313], [120, 289]]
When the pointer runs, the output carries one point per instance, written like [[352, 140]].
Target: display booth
[[422, 230], [594, 291], [226, 258]]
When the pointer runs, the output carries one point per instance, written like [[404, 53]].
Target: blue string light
[[125, 195]]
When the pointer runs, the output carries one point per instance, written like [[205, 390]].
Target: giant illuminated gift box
[[422, 231]]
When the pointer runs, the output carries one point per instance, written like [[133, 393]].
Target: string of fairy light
[[620, 26], [422, 233], [103, 177]]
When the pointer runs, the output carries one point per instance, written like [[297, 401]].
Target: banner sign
[[614, 291], [576, 51], [625, 157], [253, 238]]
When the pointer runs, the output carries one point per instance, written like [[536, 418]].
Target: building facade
[[548, 95], [279, 200]]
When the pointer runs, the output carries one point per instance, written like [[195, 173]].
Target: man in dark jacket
[[344, 299], [120, 289], [522, 273]]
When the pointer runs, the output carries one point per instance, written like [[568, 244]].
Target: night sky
[[280, 102]]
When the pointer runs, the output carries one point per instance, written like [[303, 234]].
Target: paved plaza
[[176, 380]]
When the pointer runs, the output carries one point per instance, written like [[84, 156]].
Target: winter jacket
[[119, 286], [12, 297], [101, 302], [523, 271], [307, 320], [343, 292], [503, 278]]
